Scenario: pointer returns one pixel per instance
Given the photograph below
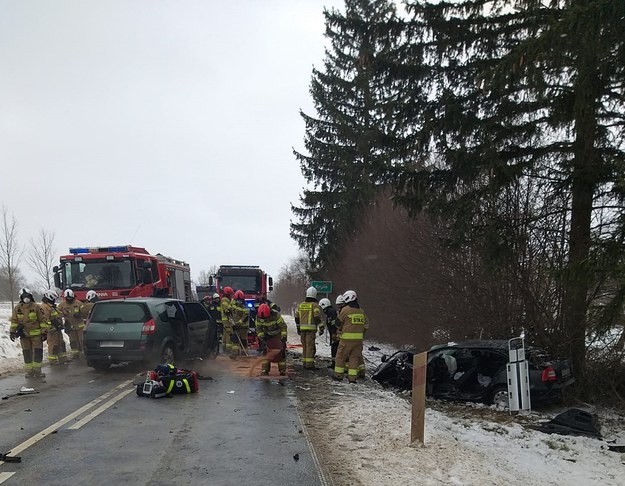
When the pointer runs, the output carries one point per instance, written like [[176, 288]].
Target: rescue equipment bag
[[167, 380]]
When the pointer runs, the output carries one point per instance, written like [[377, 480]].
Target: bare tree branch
[[42, 257], [10, 255]]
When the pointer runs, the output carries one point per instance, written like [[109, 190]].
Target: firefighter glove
[[321, 332], [44, 336], [13, 335]]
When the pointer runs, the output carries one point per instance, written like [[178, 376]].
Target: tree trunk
[[583, 183]]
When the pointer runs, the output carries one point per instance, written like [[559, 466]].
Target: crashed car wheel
[[499, 397]]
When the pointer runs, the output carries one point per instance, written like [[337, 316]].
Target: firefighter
[[226, 313], [29, 323], [331, 326], [214, 309], [308, 319], [85, 309], [240, 325], [74, 324], [272, 333], [206, 301], [57, 352], [340, 303], [353, 324]]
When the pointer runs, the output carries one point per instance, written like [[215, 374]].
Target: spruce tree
[[355, 134], [525, 97]]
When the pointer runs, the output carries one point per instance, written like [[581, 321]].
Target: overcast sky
[[163, 124]]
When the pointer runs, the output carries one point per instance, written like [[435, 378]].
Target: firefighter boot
[[28, 362], [37, 363]]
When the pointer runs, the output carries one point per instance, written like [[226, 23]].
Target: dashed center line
[[57, 425]]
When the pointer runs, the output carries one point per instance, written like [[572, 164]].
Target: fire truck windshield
[[249, 284], [98, 275]]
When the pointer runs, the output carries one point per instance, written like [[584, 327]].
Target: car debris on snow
[[572, 422]]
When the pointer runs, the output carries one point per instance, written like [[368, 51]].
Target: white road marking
[[57, 425], [99, 410], [5, 475]]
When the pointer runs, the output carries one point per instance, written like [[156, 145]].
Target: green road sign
[[322, 286]]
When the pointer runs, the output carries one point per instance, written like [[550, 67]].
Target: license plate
[[111, 344]]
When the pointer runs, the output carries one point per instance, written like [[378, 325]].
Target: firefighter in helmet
[[353, 324], [206, 301], [308, 320], [214, 310], [226, 313], [85, 309], [70, 308], [240, 324], [272, 332], [54, 335], [331, 325], [29, 324]]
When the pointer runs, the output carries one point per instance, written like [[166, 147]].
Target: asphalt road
[[89, 427]]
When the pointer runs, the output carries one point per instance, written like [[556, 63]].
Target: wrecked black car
[[476, 371]]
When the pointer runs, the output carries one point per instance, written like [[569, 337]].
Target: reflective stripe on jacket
[[308, 316], [71, 313], [354, 323], [30, 317], [273, 326]]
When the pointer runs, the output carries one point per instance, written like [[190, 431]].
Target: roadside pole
[[417, 425]]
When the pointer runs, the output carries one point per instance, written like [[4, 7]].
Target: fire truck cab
[[251, 280], [123, 271]]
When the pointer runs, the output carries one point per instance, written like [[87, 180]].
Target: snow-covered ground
[[10, 352], [362, 435]]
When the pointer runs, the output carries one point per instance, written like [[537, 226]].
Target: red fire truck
[[251, 280], [115, 272]]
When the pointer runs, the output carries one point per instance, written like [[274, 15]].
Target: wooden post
[[419, 374]]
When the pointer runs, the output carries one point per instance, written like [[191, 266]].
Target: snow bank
[[362, 434], [10, 352]]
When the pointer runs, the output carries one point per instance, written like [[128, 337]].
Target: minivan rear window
[[119, 312]]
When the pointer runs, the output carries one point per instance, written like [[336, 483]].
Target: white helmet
[[51, 295], [216, 296], [340, 300], [325, 303], [68, 294], [92, 295], [311, 292], [350, 296], [26, 294]]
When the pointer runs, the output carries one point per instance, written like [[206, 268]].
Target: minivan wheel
[[168, 355], [499, 397]]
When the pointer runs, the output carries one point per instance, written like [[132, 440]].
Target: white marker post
[[518, 376], [419, 376]]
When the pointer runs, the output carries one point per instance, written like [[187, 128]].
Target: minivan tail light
[[149, 327], [549, 374]]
